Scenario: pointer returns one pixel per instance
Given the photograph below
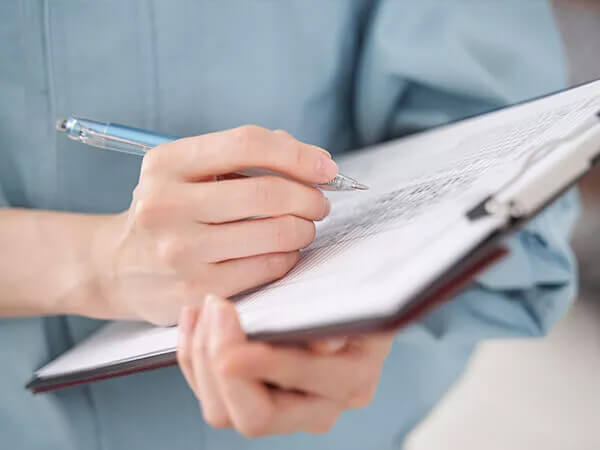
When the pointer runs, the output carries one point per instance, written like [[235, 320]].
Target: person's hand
[[185, 234], [259, 389]]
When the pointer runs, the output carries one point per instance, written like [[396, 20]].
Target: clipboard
[[548, 172]]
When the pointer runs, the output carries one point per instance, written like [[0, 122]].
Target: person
[[88, 235]]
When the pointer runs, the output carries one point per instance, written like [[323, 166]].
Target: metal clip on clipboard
[[551, 169]]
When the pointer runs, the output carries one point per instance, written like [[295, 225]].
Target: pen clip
[[517, 198]]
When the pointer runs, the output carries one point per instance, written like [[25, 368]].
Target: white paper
[[421, 188], [114, 342], [378, 248]]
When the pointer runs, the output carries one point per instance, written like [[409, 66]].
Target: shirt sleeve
[[524, 295], [431, 62], [3, 201]]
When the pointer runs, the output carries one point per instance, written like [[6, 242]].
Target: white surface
[[115, 342], [421, 187], [525, 394]]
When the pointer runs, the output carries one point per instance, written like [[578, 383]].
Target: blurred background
[[545, 393]]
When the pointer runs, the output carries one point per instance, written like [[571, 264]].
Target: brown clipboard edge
[[39, 385], [443, 289]]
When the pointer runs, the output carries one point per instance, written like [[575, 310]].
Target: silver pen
[[120, 138]]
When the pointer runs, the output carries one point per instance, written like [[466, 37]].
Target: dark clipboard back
[[455, 278]]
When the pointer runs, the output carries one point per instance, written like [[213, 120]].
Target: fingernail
[[324, 151], [326, 167], [335, 344], [327, 207]]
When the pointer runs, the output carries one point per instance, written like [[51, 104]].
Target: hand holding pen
[[135, 141], [184, 235]]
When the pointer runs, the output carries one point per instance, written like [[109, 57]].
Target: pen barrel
[[111, 136], [130, 134], [136, 141]]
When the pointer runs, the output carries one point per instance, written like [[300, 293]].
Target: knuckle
[[232, 363], [257, 425], [360, 400], [292, 232], [325, 424], [362, 393], [215, 419], [147, 212], [152, 161], [246, 137], [283, 133], [253, 431], [297, 233], [236, 363], [151, 203], [170, 250], [278, 265]]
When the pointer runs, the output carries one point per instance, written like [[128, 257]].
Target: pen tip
[[360, 187], [61, 124]]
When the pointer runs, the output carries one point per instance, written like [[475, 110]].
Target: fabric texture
[[341, 74]]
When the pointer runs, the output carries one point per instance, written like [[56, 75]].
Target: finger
[[254, 410], [192, 245], [227, 201], [199, 157], [340, 377], [295, 412], [264, 196], [247, 401], [213, 409], [239, 275], [290, 412], [187, 323], [253, 237], [231, 277]]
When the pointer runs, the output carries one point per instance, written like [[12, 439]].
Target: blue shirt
[[340, 74]]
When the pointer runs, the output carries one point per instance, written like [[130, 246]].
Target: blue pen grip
[[145, 137]]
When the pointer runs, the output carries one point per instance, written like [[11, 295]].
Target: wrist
[[53, 263], [89, 267], [99, 270]]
